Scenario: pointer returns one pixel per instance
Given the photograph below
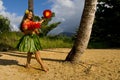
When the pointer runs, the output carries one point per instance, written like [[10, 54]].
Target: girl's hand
[[41, 21], [36, 31]]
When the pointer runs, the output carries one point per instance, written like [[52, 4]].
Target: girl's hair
[[24, 17]]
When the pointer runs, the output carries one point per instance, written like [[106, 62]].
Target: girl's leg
[[39, 60], [29, 56]]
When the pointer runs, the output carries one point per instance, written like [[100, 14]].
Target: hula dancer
[[30, 41]]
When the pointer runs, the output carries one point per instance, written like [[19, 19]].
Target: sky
[[67, 11]]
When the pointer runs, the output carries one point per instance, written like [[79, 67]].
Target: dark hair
[[24, 17]]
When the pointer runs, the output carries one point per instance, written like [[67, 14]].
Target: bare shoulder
[[25, 21]]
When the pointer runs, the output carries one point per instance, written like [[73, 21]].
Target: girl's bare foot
[[45, 69], [27, 66]]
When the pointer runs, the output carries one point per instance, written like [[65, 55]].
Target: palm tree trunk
[[30, 5], [84, 31]]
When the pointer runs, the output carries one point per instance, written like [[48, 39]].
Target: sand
[[96, 64]]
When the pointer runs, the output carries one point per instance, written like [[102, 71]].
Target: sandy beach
[[96, 64]]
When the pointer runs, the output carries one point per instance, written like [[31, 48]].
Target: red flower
[[47, 13]]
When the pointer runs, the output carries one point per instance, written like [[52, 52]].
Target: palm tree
[[84, 31], [30, 5]]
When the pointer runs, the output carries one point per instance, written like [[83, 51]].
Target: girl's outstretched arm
[[41, 21]]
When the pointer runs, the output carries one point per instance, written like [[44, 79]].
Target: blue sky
[[68, 12], [19, 6]]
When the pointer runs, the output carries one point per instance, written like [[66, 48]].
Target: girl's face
[[30, 15]]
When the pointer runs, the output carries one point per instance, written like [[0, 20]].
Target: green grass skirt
[[29, 43]]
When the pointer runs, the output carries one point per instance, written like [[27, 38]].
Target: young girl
[[30, 41]]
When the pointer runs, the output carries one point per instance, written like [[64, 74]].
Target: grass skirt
[[29, 43]]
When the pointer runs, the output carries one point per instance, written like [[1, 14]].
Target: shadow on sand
[[24, 55], [8, 62]]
